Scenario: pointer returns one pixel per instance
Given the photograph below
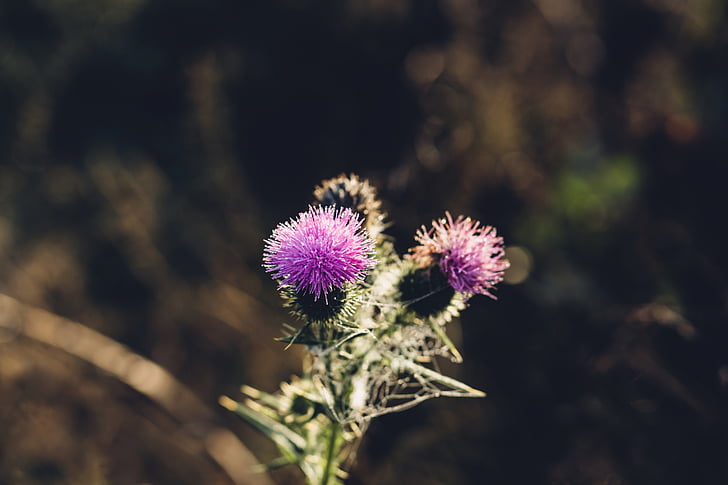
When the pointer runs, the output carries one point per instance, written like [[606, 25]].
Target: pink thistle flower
[[470, 256], [322, 249]]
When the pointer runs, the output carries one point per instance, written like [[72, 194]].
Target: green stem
[[331, 453]]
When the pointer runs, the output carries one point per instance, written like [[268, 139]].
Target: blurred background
[[148, 147]]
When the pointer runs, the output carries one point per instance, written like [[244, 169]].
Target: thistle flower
[[356, 194], [322, 249], [470, 256]]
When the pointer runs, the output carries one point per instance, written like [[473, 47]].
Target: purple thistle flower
[[470, 256], [323, 248]]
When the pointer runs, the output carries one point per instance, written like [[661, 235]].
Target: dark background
[[149, 146]]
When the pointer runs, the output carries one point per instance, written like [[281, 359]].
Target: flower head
[[470, 256], [356, 194], [321, 249]]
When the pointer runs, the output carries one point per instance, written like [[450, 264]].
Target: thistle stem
[[331, 452]]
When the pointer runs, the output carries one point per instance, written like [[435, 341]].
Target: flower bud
[[356, 194]]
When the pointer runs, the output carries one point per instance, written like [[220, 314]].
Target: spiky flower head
[[339, 305], [357, 194], [321, 249], [470, 256]]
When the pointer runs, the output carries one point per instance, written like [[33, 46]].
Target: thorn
[[228, 403]]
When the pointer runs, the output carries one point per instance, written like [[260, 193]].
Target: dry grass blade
[[139, 373]]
